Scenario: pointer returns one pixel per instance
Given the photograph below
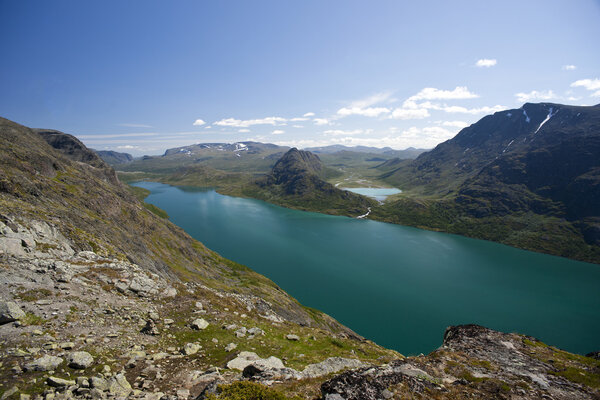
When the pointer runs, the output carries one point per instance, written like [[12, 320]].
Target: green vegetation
[[141, 194], [247, 391]]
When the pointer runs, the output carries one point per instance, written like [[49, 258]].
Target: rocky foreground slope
[[100, 298]]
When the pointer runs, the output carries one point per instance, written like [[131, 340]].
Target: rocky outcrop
[[474, 362]]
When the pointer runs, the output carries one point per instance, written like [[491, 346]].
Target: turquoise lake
[[398, 286]]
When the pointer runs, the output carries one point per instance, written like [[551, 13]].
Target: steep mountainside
[[539, 164], [114, 157], [296, 181]]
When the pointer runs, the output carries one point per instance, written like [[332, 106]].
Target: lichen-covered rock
[[246, 358], [118, 386], [45, 363], [80, 360], [329, 366], [59, 382], [9, 312], [199, 324], [191, 348]]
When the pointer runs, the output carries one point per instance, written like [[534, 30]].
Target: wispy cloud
[[589, 84], [277, 132], [569, 67], [244, 130], [135, 125], [199, 122], [475, 110], [364, 107], [321, 121], [535, 95], [459, 93], [309, 114], [237, 123], [415, 113], [486, 62]]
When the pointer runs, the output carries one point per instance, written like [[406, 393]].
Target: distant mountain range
[[410, 152]]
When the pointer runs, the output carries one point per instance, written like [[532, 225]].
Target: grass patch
[[247, 391]]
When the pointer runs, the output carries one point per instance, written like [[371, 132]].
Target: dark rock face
[[71, 147], [475, 362], [114, 157]]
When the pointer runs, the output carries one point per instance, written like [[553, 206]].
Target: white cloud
[[486, 62], [298, 119], [127, 147], [199, 122], [309, 114], [321, 121], [135, 125], [589, 84], [208, 127], [297, 126], [476, 110], [236, 123], [455, 124], [595, 94], [277, 132], [416, 113], [244, 130], [365, 112], [459, 93], [339, 132], [569, 67], [535, 95]]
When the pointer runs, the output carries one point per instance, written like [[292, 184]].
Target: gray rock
[[80, 359], [45, 363], [118, 386], [330, 365], [9, 312], [292, 337], [230, 347], [59, 382], [9, 392], [256, 331], [191, 348], [199, 305], [240, 333], [334, 396], [99, 383], [246, 358], [199, 324]]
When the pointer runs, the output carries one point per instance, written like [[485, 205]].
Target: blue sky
[[143, 76]]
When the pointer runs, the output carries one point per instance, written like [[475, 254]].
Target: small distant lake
[[379, 194], [398, 286]]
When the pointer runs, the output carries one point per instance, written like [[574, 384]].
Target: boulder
[[80, 359], [246, 358], [199, 324], [230, 347], [330, 365], [191, 348], [99, 383], [9, 312], [292, 337], [59, 382], [45, 363], [118, 386]]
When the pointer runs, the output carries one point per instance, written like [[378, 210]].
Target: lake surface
[[379, 194], [398, 286]]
